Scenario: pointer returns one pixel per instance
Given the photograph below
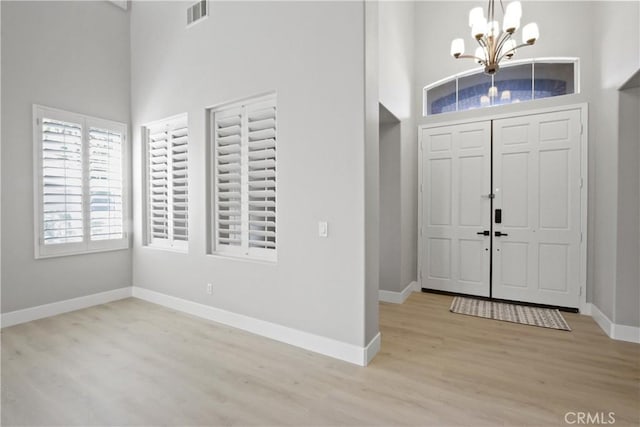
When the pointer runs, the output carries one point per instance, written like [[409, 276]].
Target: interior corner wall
[[617, 51], [312, 55], [371, 170], [73, 56], [390, 201], [628, 269], [396, 94]]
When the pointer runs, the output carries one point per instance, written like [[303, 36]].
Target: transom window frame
[[87, 245], [511, 63]]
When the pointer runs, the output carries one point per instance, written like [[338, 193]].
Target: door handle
[[498, 234], [484, 233]]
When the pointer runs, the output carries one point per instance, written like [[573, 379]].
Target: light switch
[[323, 229]]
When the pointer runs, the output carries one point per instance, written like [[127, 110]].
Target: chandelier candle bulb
[[511, 24], [514, 9], [509, 48], [530, 33], [475, 15], [457, 47], [493, 92], [479, 29]]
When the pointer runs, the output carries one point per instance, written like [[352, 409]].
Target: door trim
[[584, 190]]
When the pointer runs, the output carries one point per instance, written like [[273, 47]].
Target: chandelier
[[495, 45]]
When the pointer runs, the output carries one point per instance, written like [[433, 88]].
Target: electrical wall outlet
[[209, 288]]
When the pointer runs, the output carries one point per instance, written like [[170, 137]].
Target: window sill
[[233, 257], [81, 252], [166, 249]]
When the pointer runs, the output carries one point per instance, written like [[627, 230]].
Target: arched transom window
[[518, 81]]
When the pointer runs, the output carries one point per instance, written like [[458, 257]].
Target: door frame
[[584, 174]]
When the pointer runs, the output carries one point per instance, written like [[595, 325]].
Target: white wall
[[73, 56], [312, 54], [397, 94]]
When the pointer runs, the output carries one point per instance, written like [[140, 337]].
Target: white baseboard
[[626, 333], [613, 330], [397, 297], [372, 348], [316, 343], [602, 320], [47, 310], [416, 286]]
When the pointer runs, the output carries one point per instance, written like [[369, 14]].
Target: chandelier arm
[[483, 42], [513, 50], [503, 39], [482, 61]]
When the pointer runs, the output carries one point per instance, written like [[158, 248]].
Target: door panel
[[455, 182], [537, 186]]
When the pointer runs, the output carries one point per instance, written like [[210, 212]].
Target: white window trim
[[238, 253], [168, 244], [87, 245]]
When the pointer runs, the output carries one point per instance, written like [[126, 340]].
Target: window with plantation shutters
[[80, 193], [105, 184], [167, 182], [244, 141]]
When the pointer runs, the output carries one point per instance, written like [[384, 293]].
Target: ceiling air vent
[[197, 12]]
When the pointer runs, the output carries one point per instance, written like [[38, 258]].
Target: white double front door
[[501, 209]]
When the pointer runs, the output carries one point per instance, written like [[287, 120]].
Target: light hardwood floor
[[132, 362]]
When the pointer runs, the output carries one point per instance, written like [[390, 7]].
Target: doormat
[[526, 315]]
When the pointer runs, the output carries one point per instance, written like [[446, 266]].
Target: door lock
[[498, 234], [484, 233]]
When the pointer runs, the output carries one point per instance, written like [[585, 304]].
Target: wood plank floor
[[134, 363]]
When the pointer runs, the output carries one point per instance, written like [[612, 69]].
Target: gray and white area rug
[[526, 315]]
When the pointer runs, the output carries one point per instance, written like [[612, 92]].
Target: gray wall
[[628, 269], [390, 202], [397, 94], [618, 55], [312, 54], [603, 70], [371, 169], [73, 56]]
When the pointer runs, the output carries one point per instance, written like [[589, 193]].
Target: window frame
[[510, 63], [168, 244], [87, 245], [244, 251]]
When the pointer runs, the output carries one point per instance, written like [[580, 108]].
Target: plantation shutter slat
[[180, 202], [228, 178], [158, 183], [105, 184], [261, 122], [245, 141], [168, 178], [62, 168]]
